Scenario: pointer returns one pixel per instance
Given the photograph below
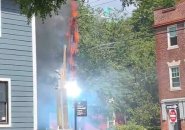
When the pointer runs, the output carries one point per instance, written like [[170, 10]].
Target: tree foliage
[[118, 63], [143, 18], [117, 57], [130, 126], [139, 3], [41, 8]]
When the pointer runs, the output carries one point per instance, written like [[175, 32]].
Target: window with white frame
[[172, 36], [175, 77], [5, 102]]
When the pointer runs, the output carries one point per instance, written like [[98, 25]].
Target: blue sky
[[109, 3], [106, 3]]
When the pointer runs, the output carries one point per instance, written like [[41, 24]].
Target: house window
[[5, 102], [175, 77], [172, 36]]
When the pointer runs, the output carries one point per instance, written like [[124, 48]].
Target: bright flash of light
[[72, 89]]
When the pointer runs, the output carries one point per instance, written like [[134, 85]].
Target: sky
[[109, 3], [106, 3]]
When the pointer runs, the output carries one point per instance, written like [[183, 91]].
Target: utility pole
[[75, 115], [62, 106]]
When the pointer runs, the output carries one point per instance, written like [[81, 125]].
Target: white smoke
[[51, 36]]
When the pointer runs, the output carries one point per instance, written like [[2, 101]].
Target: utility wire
[[164, 32], [133, 38], [169, 31], [146, 36], [94, 2], [91, 2], [156, 34], [103, 3]]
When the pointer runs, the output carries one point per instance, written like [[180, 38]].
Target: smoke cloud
[[51, 36]]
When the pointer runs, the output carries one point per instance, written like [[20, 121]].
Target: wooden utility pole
[[62, 106]]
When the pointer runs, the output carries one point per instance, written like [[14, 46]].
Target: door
[[176, 125]]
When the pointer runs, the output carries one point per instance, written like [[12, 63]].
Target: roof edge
[[168, 23]]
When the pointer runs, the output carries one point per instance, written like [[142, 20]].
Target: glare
[[72, 89]]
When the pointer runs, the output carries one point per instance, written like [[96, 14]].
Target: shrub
[[154, 128], [130, 126]]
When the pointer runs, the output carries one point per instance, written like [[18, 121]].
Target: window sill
[[5, 125], [175, 89], [173, 47]]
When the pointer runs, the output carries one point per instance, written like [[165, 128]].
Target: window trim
[[35, 122], [9, 103], [168, 38], [171, 82], [0, 19]]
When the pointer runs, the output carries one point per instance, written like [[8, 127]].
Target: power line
[[94, 1], [133, 38], [169, 31], [150, 35], [129, 13], [103, 3], [91, 2], [156, 34], [165, 32], [146, 36]]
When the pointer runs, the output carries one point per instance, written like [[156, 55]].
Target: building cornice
[[169, 23], [173, 100], [174, 63]]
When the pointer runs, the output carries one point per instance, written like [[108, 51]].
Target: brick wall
[[169, 15], [163, 56], [162, 19]]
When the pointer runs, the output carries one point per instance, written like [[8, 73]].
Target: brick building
[[169, 24]]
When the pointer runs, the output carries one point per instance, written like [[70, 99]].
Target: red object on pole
[[173, 115], [74, 8], [73, 37]]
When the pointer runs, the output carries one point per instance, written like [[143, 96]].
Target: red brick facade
[[163, 18], [169, 15]]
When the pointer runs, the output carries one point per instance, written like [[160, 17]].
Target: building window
[[5, 102], [172, 36], [175, 77]]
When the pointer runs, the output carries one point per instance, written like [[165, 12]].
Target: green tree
[[119, 63], [143, 18], [130, 126], [41, 8], [116, 56], [139, 3]]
